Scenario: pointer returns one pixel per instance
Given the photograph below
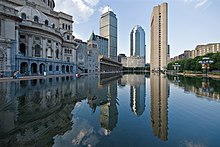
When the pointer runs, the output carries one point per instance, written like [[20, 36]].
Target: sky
[[190, 22]]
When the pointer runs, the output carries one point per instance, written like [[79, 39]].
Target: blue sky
[[190, 22]]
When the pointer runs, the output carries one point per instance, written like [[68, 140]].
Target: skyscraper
[[108, 29], [159, 38], [137, 41]]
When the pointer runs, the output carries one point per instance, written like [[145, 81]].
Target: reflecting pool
[[110, 110]]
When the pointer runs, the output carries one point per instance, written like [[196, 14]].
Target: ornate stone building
[[38, 39]]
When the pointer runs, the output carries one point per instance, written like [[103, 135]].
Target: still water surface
[[129, 110]]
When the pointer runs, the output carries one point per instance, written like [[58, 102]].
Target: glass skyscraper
[[137, 41]]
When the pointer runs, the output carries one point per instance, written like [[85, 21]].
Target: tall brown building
[[159, 38]]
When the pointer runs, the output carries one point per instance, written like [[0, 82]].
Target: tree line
[[194, 65]]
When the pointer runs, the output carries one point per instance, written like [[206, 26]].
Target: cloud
[[198, 3], [105, 9], [81, 10], [201, 3]]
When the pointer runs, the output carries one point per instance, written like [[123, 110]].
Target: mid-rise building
[[108, 29], [137, 42], [159, 38], [200, 50]]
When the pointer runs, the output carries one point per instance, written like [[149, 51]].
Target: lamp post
[[205, 64], [176, 66]]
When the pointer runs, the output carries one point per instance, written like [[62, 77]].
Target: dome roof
[[31, 13]]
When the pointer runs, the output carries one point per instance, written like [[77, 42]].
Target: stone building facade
[[42, 41]]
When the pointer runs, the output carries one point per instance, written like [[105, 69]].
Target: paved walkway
[[6, 79]]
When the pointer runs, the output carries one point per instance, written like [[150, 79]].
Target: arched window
[[37, 51], [63, 25], [23, 16], [46, 22], [36, 19], [53, 25], [66, 26], [69, 27]]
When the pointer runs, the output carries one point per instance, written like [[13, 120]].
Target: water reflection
[[202, 87], [159, 89], [64, 111], [32, 112], [137, 92]]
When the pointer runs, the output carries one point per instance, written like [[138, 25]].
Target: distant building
[[159, 37], [200, 50], [121, 56], [137, 42], [133, 61], [108, 29]]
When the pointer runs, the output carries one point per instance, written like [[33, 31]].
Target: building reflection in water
[[159, 89], [202, 87], [137, 92], [32, 112]]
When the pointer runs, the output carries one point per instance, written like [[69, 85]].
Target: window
[[66, 26], [37, 51], [57, 54], [68, 37], [22, 49], [50, 68], [53, 25], [69, 27], [49, 53], [63, 25], [23, 16], [36, 19], [57, 68], [22, 36], [46, 22], [68, 59], [49, 41]]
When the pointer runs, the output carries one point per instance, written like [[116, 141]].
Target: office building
[[137, 42], [108, 29], [159, 37]]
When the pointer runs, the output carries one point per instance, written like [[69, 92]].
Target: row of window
[[36, 19], [68, 51], [67, 27]]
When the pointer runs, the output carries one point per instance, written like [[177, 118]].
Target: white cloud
[[81, 10], [198, 3], [105, 9], [201, 3]]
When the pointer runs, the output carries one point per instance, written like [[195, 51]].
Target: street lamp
[[205, 64], [176, 66]]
